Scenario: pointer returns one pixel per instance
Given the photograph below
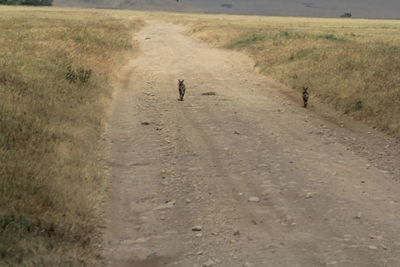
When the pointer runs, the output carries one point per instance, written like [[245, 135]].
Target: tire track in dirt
[[173, 165]]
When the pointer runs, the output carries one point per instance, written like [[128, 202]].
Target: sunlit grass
[[51, 180], [57, 68]]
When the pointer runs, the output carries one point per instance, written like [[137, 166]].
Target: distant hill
[[161, 5], [308, 8], [27, 2]]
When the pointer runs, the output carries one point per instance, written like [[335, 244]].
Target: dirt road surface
[[245, 177]]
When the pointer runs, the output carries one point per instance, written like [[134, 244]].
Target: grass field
[[351, 65], [57, 69]]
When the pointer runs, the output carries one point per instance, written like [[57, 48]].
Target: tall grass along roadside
[[56, 74], [57, 68], [352, 65]]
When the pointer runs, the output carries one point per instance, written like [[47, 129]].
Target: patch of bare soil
[[245, 177]]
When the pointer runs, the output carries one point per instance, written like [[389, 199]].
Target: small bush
[[330, 37], [358, 105], [81, 75], [354, 106]]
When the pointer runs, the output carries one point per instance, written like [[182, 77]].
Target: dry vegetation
[[352, 65], [56, 73]]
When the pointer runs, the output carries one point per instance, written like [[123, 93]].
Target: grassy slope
[[352, 65], [51, 183]]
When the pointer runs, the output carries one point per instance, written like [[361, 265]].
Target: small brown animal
[[306, 95], [182, 89]]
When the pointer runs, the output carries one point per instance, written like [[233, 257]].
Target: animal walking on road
[[182, 89], [306, 95]]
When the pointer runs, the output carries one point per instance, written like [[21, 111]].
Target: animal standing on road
[[306, 95], [182, 89]]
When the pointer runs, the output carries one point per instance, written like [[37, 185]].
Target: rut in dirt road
[[269, 182]]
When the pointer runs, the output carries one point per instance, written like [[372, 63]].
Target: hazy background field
[[307, 8]]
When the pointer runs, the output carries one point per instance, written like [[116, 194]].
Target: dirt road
[[268, 182]]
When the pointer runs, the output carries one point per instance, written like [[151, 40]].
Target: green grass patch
[[247, 40], [330, 37]]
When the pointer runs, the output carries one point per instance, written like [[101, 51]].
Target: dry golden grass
[[51, 180], [51, 183], [351, 64]]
